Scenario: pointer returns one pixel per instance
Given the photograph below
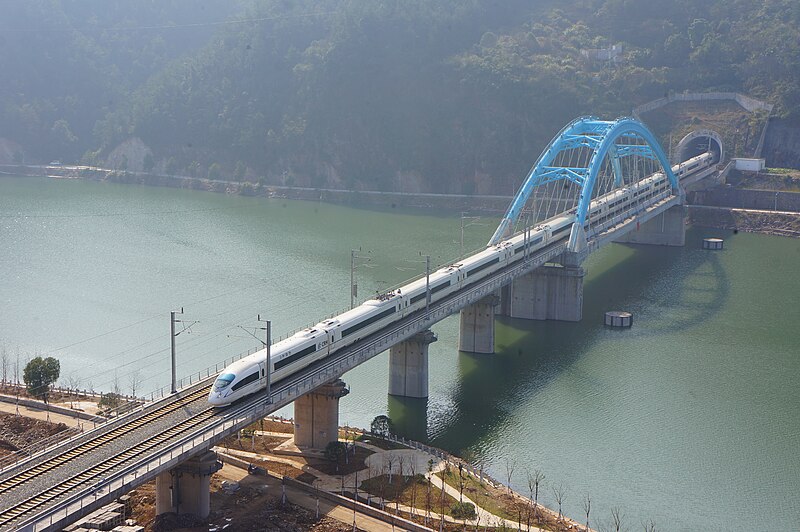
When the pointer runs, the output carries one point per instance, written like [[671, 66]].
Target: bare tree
[[413, 469], [383, 483], [428, 494], [510, 465], [4, 363], [649, 525], [461, 482], [558, 494], [616, 518], [16, 370], [115, 385], [134, 381], [390, 460], [73, 382], [533, 483], [587, 506]]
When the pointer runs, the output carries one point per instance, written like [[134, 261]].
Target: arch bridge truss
[[590, 160]]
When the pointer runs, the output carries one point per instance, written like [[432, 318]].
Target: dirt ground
[[19, 432], [255, 505]]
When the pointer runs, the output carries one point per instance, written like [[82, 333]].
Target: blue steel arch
[[601, 137]]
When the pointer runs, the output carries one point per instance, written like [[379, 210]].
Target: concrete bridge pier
[[477, 326], [666, 229], [185, 489], [408, 365], [316, 415], [547, 293]]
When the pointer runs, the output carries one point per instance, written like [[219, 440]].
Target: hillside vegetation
[[434, 95]]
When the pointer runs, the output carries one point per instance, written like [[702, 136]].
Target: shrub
[[463, 510]]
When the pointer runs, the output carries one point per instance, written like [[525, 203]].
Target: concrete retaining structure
[[477, 326], [547, 293], [185, 489], [408, 366], [665, 229], [316, 416], [762, 200], [747, 103], [38, 405]]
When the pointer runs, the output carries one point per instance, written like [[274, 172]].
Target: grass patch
[[403, 489], [500, 502], [386, 445], [354, 463]]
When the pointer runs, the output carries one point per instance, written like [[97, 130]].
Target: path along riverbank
[[402, 458]]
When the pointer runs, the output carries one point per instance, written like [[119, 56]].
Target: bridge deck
[[59, 485]]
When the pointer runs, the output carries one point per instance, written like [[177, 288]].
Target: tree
[[382, 426], [558, 494], [510, 465], [533, 485], [39, 374], [214, 171], [616, 518], [334, 452], [73, 381], [149, 163], [134, 381], [587, 506], [4, 363]]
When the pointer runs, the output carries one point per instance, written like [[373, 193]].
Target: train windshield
[[223, 381]]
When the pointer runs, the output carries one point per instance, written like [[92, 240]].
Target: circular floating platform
[[712, 243], [618, 318]]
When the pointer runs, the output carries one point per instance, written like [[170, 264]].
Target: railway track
[[9, 515]]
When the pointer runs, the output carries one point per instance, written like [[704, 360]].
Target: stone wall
[[766, 200]]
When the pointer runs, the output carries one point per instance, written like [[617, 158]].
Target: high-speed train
[[249, 375]]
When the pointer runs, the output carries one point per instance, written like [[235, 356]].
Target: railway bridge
[[608, 181]]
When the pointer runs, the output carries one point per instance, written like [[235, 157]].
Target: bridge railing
[[202, 438]]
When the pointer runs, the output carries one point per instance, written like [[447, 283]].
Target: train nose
[[215, 398]]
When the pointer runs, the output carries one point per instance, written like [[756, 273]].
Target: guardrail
[[111, 486]]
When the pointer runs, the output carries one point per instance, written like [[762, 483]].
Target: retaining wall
[[38, 405], [764, 200]]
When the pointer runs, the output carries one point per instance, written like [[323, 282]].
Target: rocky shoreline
[[750, 221], [782, 223]]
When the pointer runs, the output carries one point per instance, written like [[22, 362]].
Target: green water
[[691, 418]]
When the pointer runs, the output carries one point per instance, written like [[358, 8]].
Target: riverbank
[[367, 487], [780, 223], [453, 202], [721, 207]]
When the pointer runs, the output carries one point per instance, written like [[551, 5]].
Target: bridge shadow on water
[[667, 289]]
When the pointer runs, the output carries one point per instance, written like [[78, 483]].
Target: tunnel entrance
[[699, 142]]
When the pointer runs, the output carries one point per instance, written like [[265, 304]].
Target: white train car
[[288, 356]]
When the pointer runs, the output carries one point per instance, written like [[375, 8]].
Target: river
[[691, 418]]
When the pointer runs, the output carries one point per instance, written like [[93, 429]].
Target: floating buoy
[[618, 318], [712, 243]]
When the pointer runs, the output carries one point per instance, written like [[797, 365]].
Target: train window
[[483, 266], [244, 382], [223, 381], [297, 356], [369, 321]]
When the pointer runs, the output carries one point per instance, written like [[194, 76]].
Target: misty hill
[[436, 95]]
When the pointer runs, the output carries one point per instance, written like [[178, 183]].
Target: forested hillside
[[434, 95]]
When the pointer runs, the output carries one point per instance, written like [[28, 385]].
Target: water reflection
[[409, 416], [668, 289]]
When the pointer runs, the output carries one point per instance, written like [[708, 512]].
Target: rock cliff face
[[782, 144], [129, 155], [11, 152]]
